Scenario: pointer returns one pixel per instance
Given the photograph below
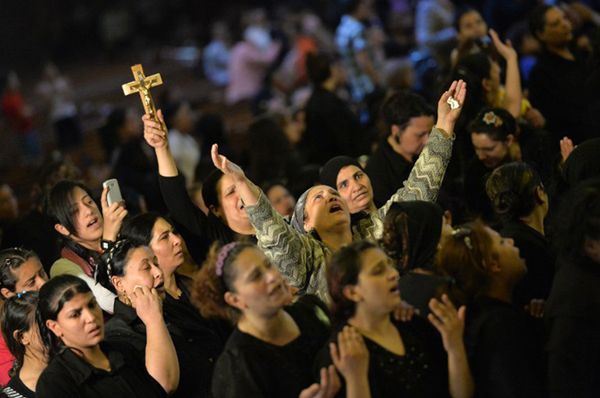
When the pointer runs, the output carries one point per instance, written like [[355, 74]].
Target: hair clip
[[223, 254], [464, 234], [21, 294], [490, 118]]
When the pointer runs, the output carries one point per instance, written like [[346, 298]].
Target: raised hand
[[147, 304], [448, 321], [535, 308], [447, 117], [350, 356], [113, 216], [405, 312], [155, 133], [225, 165], [327, 388], [566, 147], [506, 49]]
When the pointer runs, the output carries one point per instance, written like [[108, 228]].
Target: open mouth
[[276, 289], [335, 208], [395, 289], [94, 221]]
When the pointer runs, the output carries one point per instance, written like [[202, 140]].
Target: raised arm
[[292, 252], [161, 357], [514, 93], [156, 136], [427, 174]]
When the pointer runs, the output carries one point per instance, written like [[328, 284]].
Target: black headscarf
[[412, 232], [331, 169], [583, 162]]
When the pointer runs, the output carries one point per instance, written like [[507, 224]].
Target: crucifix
[[142, 84]]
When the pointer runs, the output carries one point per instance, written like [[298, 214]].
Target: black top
[[539, 258], [421, 372], [206, 229], [197, 343], [505, 354], [16, 389], [417, 289], [332, 129], [572, 314], [250, 367], [387, 171], [559, 89], [478, 202], [69, 376]]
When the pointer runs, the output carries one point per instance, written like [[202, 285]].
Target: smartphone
[[114, 192]]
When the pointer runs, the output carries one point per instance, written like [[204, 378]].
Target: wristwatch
[[106, 244]]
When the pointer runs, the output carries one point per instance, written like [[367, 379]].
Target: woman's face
[[259, 287], [283, 202], [377, 287], [86, 216], [167, 246], [471, 26], [232, 208], [512, 266], [354, 186], [325, 209], [141, 269], [489, 151], [30, 276], [79, 323]]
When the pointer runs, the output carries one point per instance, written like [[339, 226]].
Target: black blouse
[[250, 367], [16, 389], [69, 376], [421, 372]]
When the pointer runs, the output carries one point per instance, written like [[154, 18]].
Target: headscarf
[[583, 162], [330, 171], [297, 220], [412, 231]]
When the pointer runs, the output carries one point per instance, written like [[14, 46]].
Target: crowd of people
[[413, 211]]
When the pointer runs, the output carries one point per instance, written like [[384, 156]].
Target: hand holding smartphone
[[114, 192]]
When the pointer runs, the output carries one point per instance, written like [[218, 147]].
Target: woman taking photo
[[127, 265], [82, 364], [504, 351], [22, 336], [272, 349], [406, 359], [85, 232]]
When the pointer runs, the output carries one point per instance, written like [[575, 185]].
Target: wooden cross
[[142, 84]]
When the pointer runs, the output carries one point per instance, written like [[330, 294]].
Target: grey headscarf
[[297, 220]]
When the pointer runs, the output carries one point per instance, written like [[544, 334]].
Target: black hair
[[343, 270], [138, 229], [461, 13], [52, 297], [10, 260], [497, 123], [537, 19], [59, 202], [114, 261], [511, 189], [351, 6], [18, 314], [318, 67], [271, 149], [401, 106], [210, 189]]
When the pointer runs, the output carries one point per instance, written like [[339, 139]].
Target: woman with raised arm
[[301, 257], [406, 359], [83, 365], [85, 232]]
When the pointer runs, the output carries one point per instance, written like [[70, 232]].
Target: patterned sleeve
[[427, 174], [294, 254]]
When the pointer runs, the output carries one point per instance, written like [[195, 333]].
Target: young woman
[[504, 351], [22, 336], [129, 264], [20, 271], [272, 349], [82, 364], [406, 359], [519, 199], [85, 233], [411, 236]]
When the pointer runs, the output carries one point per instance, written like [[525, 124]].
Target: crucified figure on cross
[[142, 84]]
